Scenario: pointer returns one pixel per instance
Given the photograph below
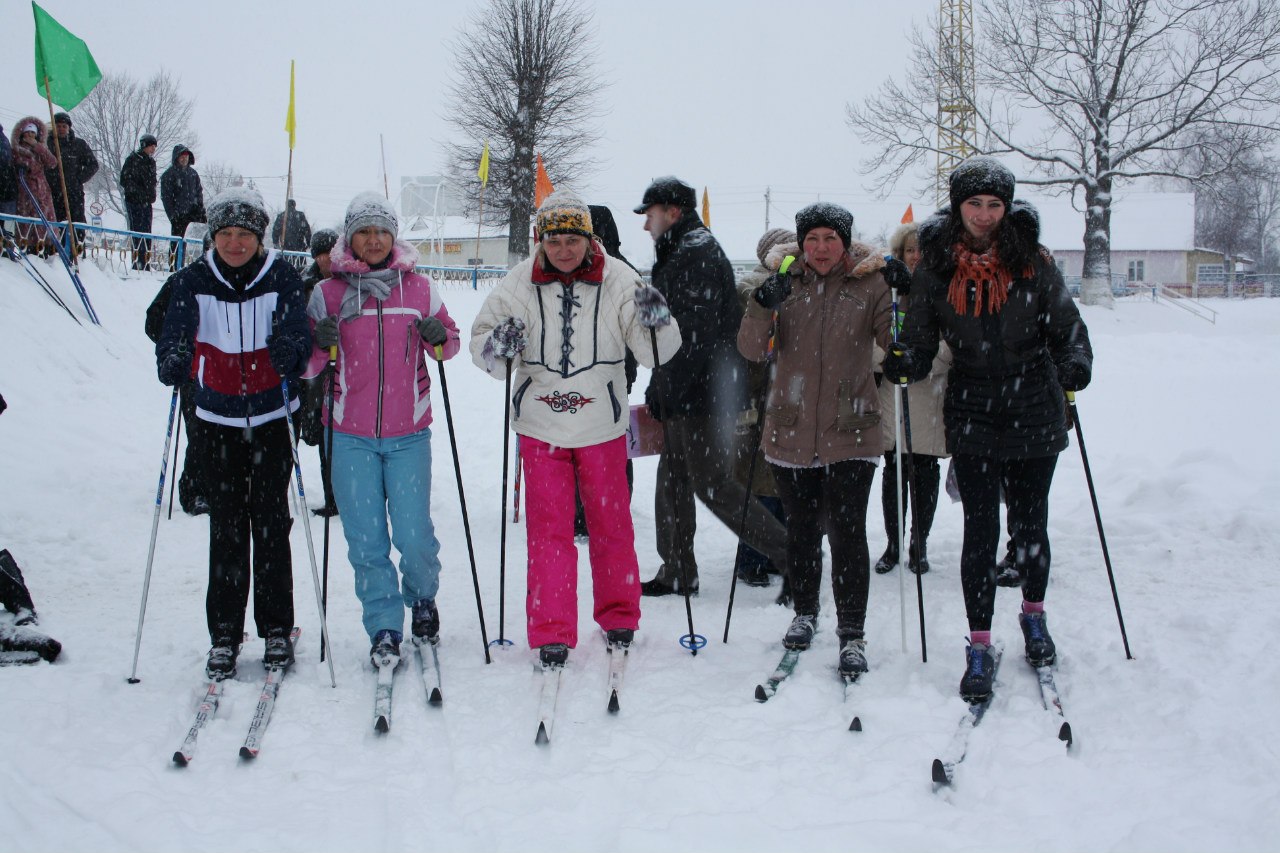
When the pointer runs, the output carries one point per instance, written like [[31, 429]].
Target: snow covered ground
[[1174, 751]]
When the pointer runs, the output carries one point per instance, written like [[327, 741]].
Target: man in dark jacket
[[182, 194], [698, 393], [8, 182], [78, 164], [291, 231], [138, 186]]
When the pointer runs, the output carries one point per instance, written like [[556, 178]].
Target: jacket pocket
[[617, 407], [783, 415], [851, 414], [519, 396]]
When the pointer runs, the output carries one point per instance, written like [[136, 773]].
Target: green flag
[[64, 61]]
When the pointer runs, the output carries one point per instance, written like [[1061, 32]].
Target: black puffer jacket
[[707, 375], [1003, 398], [138, 178], [80, 165]]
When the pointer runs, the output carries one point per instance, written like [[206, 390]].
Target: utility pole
[[766, 208]]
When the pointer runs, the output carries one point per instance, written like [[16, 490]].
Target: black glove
[[283, 355], [651, 399], [774, 291], [896, 366], [651, 307], [326, 332], [175, 368], [432, 330], [1074, 374], [896, 275]]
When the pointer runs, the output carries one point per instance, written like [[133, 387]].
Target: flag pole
[[479, 224], [62, 175], [385, 190], [290, 125]]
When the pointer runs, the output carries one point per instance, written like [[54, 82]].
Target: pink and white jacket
[[383, 387]]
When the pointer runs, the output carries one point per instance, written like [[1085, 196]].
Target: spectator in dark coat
[[78, 164], [182, 194], [698, 393], [296, 237], [138, 186], [8, 183], [310, 422]]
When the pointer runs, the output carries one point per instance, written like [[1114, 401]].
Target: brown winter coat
[[31, 161], [823, 406]]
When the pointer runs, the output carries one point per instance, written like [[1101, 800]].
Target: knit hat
[[238, 207], [323, 241], [981, 176], [147, 139], [824, 214], [31, 128], [668, 190], [771, 238], [562, 212], [62, 118], [370, 210]]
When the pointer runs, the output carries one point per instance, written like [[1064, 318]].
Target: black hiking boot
[[1035, 631], [979, 674]]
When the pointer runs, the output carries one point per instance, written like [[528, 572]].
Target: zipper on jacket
[[377, 429]]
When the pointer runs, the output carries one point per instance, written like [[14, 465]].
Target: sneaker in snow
[[279, 650], [386, 649], [426, 620], [1035, 631], [853, 659], [979, 673], [801, 632], [554, 654]]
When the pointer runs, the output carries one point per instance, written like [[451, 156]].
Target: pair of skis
[[783, 671], [431, 684], [944, 768], [208, 708], [549, 689]]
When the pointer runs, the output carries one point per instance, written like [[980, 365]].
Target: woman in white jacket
[[563, 320]]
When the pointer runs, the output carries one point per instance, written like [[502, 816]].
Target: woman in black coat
[[989, 289]]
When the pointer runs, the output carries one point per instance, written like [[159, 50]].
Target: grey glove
[[326, 332], [651, 307], [509, 338], [432, 330]]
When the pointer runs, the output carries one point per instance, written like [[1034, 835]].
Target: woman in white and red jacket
[[386, 320]]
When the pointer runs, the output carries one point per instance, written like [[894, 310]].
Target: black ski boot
[[554, 654], [279, 651], [979, 674], [853, 659], [386, 649], [222, 657], [619, 638], [1007, 573], [887, 560], [801, 632], [426, 621], [1035, 631]]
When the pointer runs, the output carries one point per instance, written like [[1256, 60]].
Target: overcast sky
[[735, 96]]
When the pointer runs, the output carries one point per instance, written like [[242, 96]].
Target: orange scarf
[[990, 279]]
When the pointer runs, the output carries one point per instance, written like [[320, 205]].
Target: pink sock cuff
[[983, 637], [1033, 607]]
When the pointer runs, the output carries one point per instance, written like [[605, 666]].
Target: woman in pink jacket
[[386, 320]]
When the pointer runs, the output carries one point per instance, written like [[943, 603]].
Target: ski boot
[[386, 649], [979, 674], [554, 654], [279, 649], [800, 634], [1035, 631], [426, 621], [853, 659]]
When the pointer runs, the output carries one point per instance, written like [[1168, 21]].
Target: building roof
[[1140, 221]]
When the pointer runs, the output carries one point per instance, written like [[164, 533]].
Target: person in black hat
[[291, 231], [138, 186], [78, 164], [988, 289], [699, 393], [182, 195]]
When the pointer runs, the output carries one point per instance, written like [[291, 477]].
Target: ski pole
[[897, 461], [327, 473], [173, 478], [751, 465], [1097, 516], [902, 441], [14, 253], [691, 641], [306, 524], [502, 515], [62, 252], [462, 498], [155, 527]]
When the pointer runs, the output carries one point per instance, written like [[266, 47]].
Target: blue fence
[[117, 250]]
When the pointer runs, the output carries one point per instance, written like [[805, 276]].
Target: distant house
[[1152, 240]]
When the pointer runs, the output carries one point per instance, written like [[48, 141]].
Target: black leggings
[[842, 490], [1026, 490], [925, 488]]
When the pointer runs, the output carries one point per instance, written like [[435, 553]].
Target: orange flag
[[542, 186], [908, 216]]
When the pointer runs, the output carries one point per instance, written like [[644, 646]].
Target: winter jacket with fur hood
[[1003, 399], [570, 384], [31, 161], [384, 387], [823, 407]]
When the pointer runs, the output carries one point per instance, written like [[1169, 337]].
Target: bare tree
[[1237, 210], [217, 176], [118, 112], [524, 81], [1091, 92]]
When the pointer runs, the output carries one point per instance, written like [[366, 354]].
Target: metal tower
[[956, 95]]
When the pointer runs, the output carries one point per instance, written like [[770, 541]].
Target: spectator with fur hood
[[236, 323], [31, 159], [563, 320], [387, 322], [992, 293], [821, 431]]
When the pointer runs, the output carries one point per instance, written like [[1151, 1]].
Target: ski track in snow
[[1173, 749]]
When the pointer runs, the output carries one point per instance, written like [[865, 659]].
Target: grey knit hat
[[238, 207], [771, 238], [370, 210], [824, 214], [981, 176]]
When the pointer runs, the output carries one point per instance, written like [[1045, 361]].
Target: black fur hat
[[981, 176], [824, 214]]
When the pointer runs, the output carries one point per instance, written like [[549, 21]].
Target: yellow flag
[[706, 208], [291, 124], [483, 171]]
